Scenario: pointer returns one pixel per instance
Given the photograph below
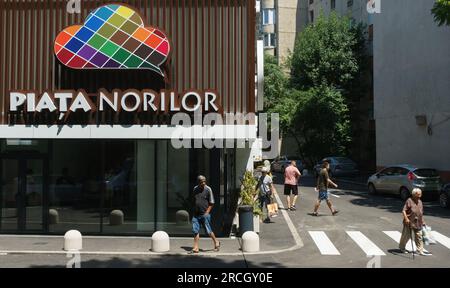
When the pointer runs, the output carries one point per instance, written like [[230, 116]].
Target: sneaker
[[335, 212], [314, 214], [274, 215], [267, 220], [424, 253], [404, 251], [293, 208]]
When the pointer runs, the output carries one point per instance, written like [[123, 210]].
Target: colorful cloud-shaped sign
[[112, 37]]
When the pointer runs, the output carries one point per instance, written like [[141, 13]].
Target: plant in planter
[[249, 196]]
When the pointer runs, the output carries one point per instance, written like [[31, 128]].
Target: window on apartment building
[[269, 40], [333, 4], [311, 16], [268, 16], [349, 3]]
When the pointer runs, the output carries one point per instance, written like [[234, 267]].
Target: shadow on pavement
[[168, 261], [394, 204]]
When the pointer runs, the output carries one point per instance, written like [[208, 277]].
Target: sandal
[[217, 248], [193, 251], [314, 214]]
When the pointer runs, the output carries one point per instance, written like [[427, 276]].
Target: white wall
[[411, 77]]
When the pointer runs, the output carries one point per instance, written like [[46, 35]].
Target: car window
[[388, 171], [401, 171], [426, 172]]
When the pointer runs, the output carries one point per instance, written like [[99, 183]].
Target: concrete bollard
[[73, 241], [182, 217], [160, 242], [116, 218], [53, 216], [250, 242]]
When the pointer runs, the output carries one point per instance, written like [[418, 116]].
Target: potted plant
[[249, 197]]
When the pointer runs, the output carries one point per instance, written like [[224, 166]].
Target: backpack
[[261, 187]]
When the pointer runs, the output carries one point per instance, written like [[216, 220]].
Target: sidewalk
[[275, 237]]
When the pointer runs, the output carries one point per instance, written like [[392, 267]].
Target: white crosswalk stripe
[[395, 235], [365, 244], [442, 239], [326, 246], [324, 243]]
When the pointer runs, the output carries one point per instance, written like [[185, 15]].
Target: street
[[366, 225], [376, 217]]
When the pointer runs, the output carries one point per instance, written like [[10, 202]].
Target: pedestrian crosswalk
[[370, 247]]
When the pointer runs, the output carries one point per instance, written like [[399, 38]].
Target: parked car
[[280, 163], [402, 179], [444, 196], [339, 166]]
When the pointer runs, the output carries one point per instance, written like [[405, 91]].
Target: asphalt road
[[364, 226], [360, 214]]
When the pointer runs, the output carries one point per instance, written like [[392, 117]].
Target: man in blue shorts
[[203, 203], [322, 187]]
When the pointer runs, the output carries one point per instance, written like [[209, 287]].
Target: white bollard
[[73, 241], [250, 242], [160, 242], [182, 217]]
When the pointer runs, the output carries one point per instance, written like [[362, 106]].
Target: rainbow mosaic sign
[[112, 37]]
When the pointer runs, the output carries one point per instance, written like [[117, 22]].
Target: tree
[[323, 53], [275, 82], [441, 12], [322, 122]]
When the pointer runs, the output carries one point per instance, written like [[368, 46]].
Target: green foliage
[[441, 12], [323, 54], [249, 193], [322, 121], [275, 82]]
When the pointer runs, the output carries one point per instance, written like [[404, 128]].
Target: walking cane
[[412, 245]]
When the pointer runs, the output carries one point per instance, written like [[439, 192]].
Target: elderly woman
[[413, 222]]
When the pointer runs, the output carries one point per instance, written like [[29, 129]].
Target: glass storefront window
[[117, 187]]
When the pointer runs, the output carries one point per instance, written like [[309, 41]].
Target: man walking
[[322, 187], [203, 203], [291, 176]]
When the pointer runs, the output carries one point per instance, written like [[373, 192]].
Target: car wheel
[[443, 200], [404, 193], [372, 189]]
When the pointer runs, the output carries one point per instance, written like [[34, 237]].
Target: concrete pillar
[[116, 218], [160, 242], [73, 241], [250, 242]]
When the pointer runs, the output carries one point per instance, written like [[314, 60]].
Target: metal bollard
[[53, 216]]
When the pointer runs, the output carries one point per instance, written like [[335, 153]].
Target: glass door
[[22, 194]]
